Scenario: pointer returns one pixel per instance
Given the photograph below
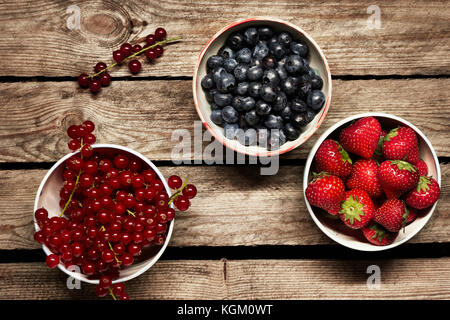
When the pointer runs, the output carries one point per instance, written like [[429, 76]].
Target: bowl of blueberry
[[262, 86]]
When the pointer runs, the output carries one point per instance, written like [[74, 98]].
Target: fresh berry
[[332, 158], [425, 194], [105, 79], [397, 177], [412, 215], [174, 182], [95, 85], [361, 138], [83, 80], [364, 175], [326, 192], [392, 215], [100, 66], [422, 167], [150, 39], [401, 144], [160, 34], [118, 56], [378, 235], [52, 261], [357, 209], [134, 66], [378, 153], [126, 49]]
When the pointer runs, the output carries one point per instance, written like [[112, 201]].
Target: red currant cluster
[[112, 208], [152, 49]]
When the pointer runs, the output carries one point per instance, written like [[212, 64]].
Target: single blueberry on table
[[236, 41], [252, 118], [207, 82], [223, 99], [280, 102], [214, 62], [291, 132], [268, 93], [216, 117], [273, 122], [261, 51], [230, 115], [255, 73], [299, 48], [244, 55], [285, 39], [240, 72], [315, 100], [254, 89], [229, 64], [251, 36], [262, 108], [288, 86], [242, 88], [265, 33], [271, 77], [226, 83], [226, 52], [294, 64], [298, 105]]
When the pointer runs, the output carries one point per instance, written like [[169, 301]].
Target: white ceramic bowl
[[48, 197], [317, 61], [354, 239]]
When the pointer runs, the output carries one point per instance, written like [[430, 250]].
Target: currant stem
[[177, 193], [135, 54], [112, 294], [115, 255], [72, 193], [131, 213]]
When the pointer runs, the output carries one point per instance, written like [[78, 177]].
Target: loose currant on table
[[112, 208], [128, 53]]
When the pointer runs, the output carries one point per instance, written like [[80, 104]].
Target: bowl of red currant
[[104, 213]]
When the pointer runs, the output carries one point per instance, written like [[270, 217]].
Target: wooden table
[[247, 236]]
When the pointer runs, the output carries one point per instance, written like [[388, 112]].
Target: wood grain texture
[[143, 115], [413, 38], [247, 279], [235, 207]]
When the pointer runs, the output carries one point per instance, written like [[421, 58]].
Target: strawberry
[[326, 191], [357, 209], [392, 215], [364, 176], [425, 194], [397, 177], [378, 153], [412, 215], [422, 167], [401, 144], [361, 138], [332, 158], [378, 235]]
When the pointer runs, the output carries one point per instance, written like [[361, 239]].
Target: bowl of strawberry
[[104, 213], [372, 181]]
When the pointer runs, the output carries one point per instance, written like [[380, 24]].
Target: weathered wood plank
[[247, 209], [247, 279], [143, 115], [413, 38]]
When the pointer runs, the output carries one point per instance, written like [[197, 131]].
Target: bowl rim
[[220, 137], [153, 260], [309, 161]]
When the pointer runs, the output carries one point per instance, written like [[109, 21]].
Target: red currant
[[190, 191], [160, 34], [134, 66], [89, 139], [41, 214], [136, 48], [151, 54], [52, 261], [83, 80], [105, 282], [87, 151], [182, 202], [72, 132], [74, 144], [126, 49], [105, 79], [100, 66], [118, 56], [150, 40], [95, 85], [159, 51], [174, 182]]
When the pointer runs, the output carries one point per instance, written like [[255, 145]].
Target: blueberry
[[316, 82], [260, 51], [251, 36], [240, 72], [248, 103], [298, 105], [238, 103], [242, 123], [272, 41], [310, 72], [216, 117], [269, 62], [248, 137], [244, 55], [288, 86], [285, 114], [214, 62], [299, 48], [214, 106], [291, 132], [280, 102], [299, 120], [304, 87], [310, 114], [278, 50], [223, 99], [268, 93], [229, 64], [236, 41], [254, 88], [230, 115], [315, 100], [217, 74], [282, 62], [252, 118], [207, 82], [242, 88], [273, 122], [282, 73], [285, 39], [277, 138], [226, 83], [294, 64], [255, 73], [210, 94], [226, 52], [265, 33], [230, 130], [262, 108], [271, 77]]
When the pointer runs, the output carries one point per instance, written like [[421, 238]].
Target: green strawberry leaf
[[403, 165], [391, 134], [352, 209], [424, 184], [344, 154]]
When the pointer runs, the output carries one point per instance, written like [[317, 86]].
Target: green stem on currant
[[111, 293], [159, 43], [131, 213], [177, 193], [115, 255]]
